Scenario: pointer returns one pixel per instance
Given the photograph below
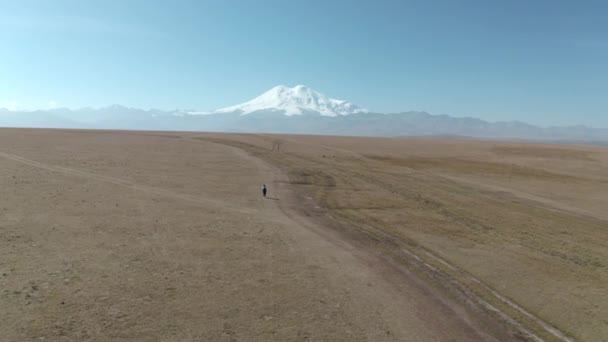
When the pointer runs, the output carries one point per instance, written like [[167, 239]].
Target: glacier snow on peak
[[294, 101]]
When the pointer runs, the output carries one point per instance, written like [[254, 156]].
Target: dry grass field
[[165, 237]]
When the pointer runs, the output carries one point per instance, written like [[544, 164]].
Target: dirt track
[[164, 236]]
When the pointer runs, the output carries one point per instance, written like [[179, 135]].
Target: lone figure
[[264, 190]]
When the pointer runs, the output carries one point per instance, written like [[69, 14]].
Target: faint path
[[530, 198], [206, 201]]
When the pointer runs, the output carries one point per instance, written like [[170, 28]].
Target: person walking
[[264, 190]]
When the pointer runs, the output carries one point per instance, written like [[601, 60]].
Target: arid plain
[[164, 236]]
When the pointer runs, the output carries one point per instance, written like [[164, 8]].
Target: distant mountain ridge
[[298, 110]]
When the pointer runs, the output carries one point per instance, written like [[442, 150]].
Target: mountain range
[[300, 110]]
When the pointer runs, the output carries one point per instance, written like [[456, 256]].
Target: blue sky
[[543, 62]]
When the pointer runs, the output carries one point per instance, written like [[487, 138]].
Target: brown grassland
[[163, 236]]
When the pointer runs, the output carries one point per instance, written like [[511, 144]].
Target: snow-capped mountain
[[294, 101]]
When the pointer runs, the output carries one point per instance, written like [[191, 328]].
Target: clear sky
[[543, 62]]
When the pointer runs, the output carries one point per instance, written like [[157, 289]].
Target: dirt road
[[519, 226]]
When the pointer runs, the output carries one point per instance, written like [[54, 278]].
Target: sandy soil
[[164, 236]]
